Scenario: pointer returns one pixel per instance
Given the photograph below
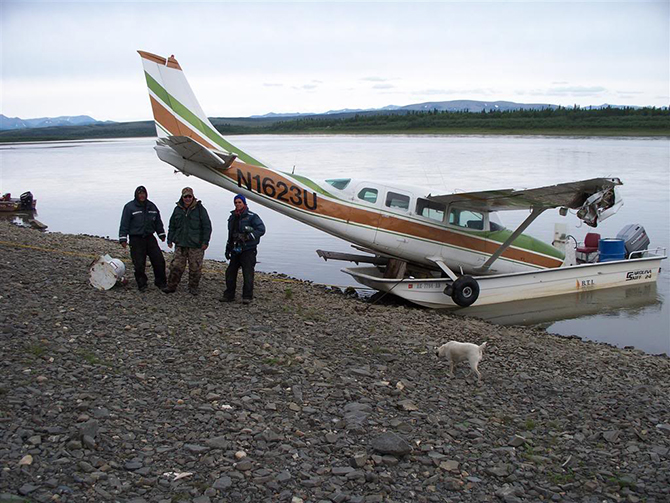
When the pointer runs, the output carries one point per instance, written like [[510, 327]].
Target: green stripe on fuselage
[[524, 242], [312, 185], [194, 121]]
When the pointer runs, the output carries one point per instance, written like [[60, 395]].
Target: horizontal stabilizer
[[191, 150]]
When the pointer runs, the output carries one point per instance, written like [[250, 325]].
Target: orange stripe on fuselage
[[175, 127], [371, 218]]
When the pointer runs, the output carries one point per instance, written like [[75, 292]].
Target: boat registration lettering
[[425, 286], [287, 193], [639, 274], [586, 283]]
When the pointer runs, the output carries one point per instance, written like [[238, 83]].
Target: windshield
[[339, 183]]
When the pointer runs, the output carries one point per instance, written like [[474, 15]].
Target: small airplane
[[407, 229]]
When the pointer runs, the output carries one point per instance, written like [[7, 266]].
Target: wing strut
[[536, 212], [440, 263]]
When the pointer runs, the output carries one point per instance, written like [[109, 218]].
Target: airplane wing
[[191, 150], [570, 195]]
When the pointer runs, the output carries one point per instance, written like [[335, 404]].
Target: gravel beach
[[307, 395]]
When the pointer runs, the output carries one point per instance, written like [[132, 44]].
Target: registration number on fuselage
[[279, 190]]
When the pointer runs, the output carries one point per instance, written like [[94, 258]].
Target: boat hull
[[14, 205], [496, 289]]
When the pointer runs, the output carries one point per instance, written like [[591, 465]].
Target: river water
[[81, 187]]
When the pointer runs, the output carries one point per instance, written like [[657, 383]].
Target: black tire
[[465, 291]]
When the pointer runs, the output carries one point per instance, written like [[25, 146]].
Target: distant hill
[[9, 123], [476, 106], [441, 106]]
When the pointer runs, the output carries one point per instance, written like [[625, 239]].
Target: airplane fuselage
[[392, 221]]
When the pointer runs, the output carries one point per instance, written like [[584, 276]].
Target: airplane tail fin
[[176, 110]]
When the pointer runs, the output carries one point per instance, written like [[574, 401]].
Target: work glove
[[248, 229], [227, 254]]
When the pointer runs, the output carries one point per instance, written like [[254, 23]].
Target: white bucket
[[106, 272]]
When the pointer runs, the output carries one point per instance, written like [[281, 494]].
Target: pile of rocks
[[306, 395]]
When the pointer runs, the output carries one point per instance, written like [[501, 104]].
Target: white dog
[[459, 351]]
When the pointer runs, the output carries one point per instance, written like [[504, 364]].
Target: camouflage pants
[[194, 257]]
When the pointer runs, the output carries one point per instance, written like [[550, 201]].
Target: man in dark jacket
[[244, 233], [140, 220], [190, 230]]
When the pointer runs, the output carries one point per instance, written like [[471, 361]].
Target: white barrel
[[106, 272]]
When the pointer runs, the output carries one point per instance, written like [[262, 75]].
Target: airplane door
[[364, 215], [392, 232]]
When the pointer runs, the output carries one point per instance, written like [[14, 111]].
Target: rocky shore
[[307, 395]]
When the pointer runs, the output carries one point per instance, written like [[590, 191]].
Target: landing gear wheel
[[465, 291]]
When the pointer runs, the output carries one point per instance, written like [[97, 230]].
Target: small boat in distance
[[25, 202]]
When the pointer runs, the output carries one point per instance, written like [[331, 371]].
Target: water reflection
[[24, 219], [631, 301]]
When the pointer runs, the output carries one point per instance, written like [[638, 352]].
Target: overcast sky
[[254, 58]]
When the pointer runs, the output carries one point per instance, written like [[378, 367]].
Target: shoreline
[[107, 393], [597, 133]]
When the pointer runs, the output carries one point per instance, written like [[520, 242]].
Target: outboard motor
[[634, 237], [26, 201]]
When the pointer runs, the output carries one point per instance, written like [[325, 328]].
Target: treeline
[[88, 132], [561, 120], [648, 119]]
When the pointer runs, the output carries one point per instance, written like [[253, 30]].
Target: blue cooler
[[611, 249]]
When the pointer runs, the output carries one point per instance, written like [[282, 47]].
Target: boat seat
[[590, 244]]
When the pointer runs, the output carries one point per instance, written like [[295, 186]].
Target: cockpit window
[[494, 222], [339, 183], [466, 218], [430, 209], [395, 200], [368, 195]]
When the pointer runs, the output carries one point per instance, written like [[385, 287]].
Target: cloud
[[578, 90], [629, 93], [460, 92], [375, 79], [307, 87], [272, 84], [383, 86], [563, 91]]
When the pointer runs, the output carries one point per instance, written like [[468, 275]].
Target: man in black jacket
[[189, 230], [244, 233], [140, 220]]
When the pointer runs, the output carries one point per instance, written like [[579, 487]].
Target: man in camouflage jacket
[[190, 230]]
